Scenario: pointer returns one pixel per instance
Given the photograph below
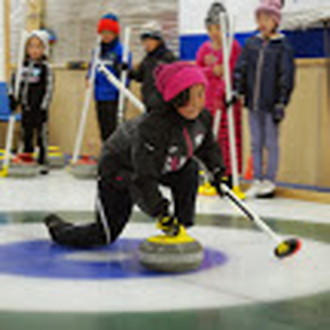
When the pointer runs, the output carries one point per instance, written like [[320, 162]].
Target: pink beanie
[[172, 79], [273, 7]]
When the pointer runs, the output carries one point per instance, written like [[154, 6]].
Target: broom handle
[[118, 84], [217, 123], [9, 142], [124, 75], [250, 214], [86, 105], [227, 47], [20, 59]]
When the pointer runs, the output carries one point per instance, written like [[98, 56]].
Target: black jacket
[[35, 88], [143, 150], [265, 72], [145, 75]]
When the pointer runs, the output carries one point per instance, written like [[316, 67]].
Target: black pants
[[114, 207], [107, 114], [35, 127]]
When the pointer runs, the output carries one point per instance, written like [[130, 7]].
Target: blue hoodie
[[111, 54]]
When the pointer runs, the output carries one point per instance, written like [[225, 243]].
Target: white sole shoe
[[254, 189], [267, 189]]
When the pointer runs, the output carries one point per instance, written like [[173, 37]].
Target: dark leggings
[[32, 128], [107, 114], [114, 207]]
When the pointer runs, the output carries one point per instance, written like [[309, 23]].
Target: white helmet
[[152, 30]]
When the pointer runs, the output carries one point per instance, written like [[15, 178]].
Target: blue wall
[[4, 106], [311, 43]]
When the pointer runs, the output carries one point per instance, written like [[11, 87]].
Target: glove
[[169, 225], [120, 67], [279, 113], [219, 179], [235, 99], [13, 104], [124, 66]]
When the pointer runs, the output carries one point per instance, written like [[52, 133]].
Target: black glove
[[235, 99], [125, 66], [120, 67], [279, 113], [219, 179], [169, 225], [13, 104]]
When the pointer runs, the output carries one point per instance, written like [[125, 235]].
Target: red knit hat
[[173, 79], [109, 22]]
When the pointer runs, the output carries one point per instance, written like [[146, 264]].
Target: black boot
[[55, 224]]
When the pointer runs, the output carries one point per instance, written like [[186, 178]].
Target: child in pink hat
[[264, 75], [158, 148], [272, 8]]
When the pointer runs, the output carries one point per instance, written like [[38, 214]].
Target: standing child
[[265, 77], [157, 148], [34, 96], [106, 94], [210, 58], [157, 53]]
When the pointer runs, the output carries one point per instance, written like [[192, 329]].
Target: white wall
[[193, 12], [2, 42], [305, 4]]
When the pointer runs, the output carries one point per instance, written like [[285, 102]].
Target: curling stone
[[56, 158], [84, 168], [23, 166], [171, 254]]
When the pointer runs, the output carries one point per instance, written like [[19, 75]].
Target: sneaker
[[267, 190], [254, 190]]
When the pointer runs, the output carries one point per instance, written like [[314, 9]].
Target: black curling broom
[[284, 248]]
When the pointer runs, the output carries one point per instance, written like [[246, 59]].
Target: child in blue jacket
[[264, 75], [106, 94]]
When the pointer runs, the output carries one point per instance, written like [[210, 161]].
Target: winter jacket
[[111, 55], [145, 75], [207, 58], [35, 88], [143, 150], [265, 73]]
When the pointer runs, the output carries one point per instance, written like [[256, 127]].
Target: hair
[[213, 15], [181, 99]]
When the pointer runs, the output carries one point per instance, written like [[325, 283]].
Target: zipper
[[257, 86], [189, 143]]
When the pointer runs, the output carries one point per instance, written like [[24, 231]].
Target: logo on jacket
[[32, 75], [173, 150], [199, 139]]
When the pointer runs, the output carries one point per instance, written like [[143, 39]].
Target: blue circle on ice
[[42, 259]]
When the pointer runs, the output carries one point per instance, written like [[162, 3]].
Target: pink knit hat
[[172, 79], [273, 7]]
